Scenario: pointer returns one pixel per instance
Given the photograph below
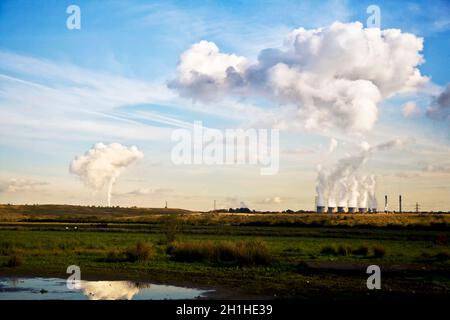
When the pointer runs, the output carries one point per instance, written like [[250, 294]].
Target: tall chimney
[[400, 203], [385, 203]]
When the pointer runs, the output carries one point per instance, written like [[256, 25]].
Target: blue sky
[[125, 54], [144, 38]]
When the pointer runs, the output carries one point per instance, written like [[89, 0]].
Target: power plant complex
[[357, 209]]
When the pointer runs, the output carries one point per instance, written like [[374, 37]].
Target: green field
[[311, 255]]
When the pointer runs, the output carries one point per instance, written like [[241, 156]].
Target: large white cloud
[[203, 71], [335, 76]]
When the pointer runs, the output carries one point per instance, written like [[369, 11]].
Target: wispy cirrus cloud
[[47, 98]]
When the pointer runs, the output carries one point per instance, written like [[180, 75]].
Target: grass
[[361, 251], [287, 254], [14, 261], [102, 215], [379, 251], [140, 252], [243, 253], [328, 250], [114, 256], [6, 248], [346, 250], [441, 239], [443, 256]]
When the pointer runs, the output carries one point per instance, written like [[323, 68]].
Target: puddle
[[56, 289]]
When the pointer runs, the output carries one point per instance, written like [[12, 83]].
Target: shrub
[[171, 232], [344, 250], [253, 252], [225, 252], [328, 250], [361, 251], [140, 252], [14, 261], [379, 251], [190, 251], [170, 227]]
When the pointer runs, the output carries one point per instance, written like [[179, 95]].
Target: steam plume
[[103, 164], [345, 185], [335, 76]]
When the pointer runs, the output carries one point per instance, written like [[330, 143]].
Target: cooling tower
[[341, 210], [362, 210], [331, 209], [351, 210], [320, 209]]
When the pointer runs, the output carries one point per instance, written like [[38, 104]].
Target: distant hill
[[69, 212]]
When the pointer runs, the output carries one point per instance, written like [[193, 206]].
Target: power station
[[352, 209]]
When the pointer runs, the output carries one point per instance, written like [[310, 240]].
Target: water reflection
[[111, 290], [55, 289]]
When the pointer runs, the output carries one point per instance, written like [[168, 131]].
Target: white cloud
[[439, 168], [94, 91], [272, 200], [336, 76], [440, 106], [146, 192], [333, 145], [19, 184], [409, 109], [203, 70], [56, 101]]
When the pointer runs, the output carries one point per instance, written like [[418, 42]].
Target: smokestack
[[351, 210], [320, 209], [331, 209], [341, 210], [385, 203], [400, 203]]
